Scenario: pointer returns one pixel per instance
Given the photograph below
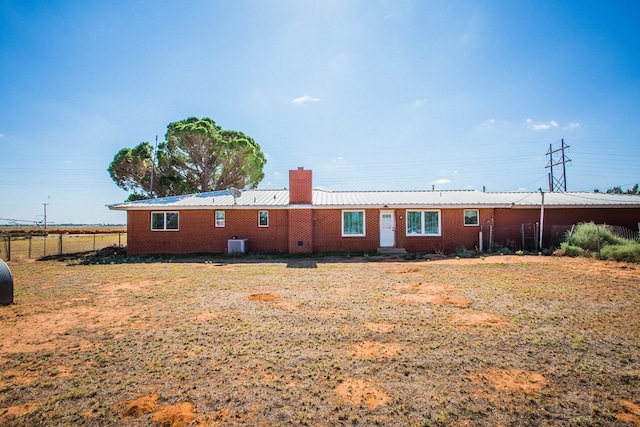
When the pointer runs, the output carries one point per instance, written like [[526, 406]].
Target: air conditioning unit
[[237, 245]]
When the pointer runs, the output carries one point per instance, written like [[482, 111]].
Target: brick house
[[304, 220]]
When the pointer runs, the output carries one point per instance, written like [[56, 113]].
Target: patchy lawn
[[504, 340]]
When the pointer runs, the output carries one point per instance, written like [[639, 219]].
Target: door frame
[[393, 228]]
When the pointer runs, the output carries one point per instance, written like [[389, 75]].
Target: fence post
[[598, 238], [119, 244], [60, 244], [44, 251], [522, 234], [9, 248], [29, 245], [94, 241]]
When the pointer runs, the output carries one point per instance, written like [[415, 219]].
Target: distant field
[[213, 341], [58, 241], [71, 229]]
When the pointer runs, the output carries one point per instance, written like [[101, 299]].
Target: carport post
[[541, 218]]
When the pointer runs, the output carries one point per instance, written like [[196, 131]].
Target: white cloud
[[337, 159], [304, 100], [443, 181], [541, 126], [420, 102], [571, 126]]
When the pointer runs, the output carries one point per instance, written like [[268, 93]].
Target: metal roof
[[210, 200], [279, 199], [570, 199], [456, 198]]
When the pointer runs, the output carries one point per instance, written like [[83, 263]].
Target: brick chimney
[[300, 217], [300, 187]]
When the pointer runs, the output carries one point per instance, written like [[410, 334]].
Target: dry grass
[[483, 342], [58, 242]]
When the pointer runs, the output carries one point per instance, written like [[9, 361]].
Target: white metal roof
[[322, 199], [210, 200], [570, 199], [405, 198]]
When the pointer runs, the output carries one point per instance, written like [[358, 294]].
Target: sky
[[369, 94]]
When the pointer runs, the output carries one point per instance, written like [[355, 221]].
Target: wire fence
[[625, 233], [34, 246]]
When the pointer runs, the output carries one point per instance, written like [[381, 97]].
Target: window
[[164, 221], [263, 218], [219, 218], [353, 223], [471, 217], [423, 223]]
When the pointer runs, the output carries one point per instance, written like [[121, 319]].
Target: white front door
[[387, 229]]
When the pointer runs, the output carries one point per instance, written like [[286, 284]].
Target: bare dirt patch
[[512, 380], [178, 415], [357, 391], [477, 318], [16, 411], [141, 406], [630, 412], [455, 300], [263, 297], [374, 350]]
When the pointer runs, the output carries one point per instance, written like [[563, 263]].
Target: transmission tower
[[557, 183]]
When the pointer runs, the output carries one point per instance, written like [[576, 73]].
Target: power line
[[557, 183]]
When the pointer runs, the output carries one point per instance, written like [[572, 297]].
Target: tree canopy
[[196, 156], [618, 190]]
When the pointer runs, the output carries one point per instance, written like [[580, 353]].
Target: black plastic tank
[[6, 284]]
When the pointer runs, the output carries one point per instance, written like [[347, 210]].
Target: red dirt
[[356, 391], [425, 311]]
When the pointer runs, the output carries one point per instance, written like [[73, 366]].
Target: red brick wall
[[198, 234], [508, 221], [300, 231], [320, 230], [327, 232], [454, 234], [300, 186]]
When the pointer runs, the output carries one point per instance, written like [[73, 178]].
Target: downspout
[[541, 218]]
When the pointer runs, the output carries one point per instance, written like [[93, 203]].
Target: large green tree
[[196, 156]]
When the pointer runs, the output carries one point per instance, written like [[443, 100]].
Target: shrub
[[586, 236], [589, 237], [571, 250], [465, 253], [629, 252]]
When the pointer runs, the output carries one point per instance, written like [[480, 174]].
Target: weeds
[[589, 238], [82, 342]]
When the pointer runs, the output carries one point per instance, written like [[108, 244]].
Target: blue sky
[[370, 94]]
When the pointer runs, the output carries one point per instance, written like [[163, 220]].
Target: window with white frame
[[353, 223], [263, 218], [471, 217], [164, 221], [219, 218], [423, 223]]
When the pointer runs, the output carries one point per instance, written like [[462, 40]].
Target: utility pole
[[45, 229], [541, 218], [45, 216], [557, 183]]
